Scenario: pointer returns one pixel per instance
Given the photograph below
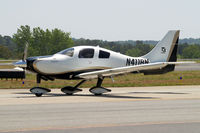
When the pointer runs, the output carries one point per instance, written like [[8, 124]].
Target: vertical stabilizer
[[166, 49]]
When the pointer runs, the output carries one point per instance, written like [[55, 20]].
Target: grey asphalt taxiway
[[174, 109]]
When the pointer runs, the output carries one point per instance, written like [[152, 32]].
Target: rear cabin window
[[86, 53], [103, 54]]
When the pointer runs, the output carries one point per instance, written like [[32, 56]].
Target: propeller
[[22, 63], [25, 52]]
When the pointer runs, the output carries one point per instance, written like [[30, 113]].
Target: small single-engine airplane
[[89, 62]]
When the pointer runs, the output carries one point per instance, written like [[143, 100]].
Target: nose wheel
[[39, 91], [38, 94]]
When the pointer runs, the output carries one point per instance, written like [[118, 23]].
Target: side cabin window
[[103, 54], [86, 53]]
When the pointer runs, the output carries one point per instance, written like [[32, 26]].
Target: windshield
[[68, 52]]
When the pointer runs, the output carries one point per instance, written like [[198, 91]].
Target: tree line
[[47, 42], [139, 48]]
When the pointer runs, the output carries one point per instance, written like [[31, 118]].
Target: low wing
[[127, 69]]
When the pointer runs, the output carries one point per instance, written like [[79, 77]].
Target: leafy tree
[[5, 53], [181, 47], [134, 52], [144, 48], [2, 40], [192, 51], [41, 42], [59, 40], [7, 42], [22, 37]]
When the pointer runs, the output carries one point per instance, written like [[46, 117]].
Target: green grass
[[129, 80], [198, 61], [7, 67]]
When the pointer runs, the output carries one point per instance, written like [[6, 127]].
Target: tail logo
[[163, 50]]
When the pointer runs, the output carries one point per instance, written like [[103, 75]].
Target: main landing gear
[[98, 89], [70, 90]]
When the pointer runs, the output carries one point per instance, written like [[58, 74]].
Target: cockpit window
[[103, 54], [86, 53], [68, 52]]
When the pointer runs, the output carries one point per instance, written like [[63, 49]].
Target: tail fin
[[166, 49]]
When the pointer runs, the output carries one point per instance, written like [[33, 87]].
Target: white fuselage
[[60, 63]]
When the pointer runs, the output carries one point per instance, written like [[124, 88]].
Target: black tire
[[38, 94], [69, 94], [98, 94]]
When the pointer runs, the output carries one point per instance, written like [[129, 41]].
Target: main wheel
[[69, 90], [98, 94], [99, 90]]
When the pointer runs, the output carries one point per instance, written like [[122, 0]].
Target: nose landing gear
[[39, 91]]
